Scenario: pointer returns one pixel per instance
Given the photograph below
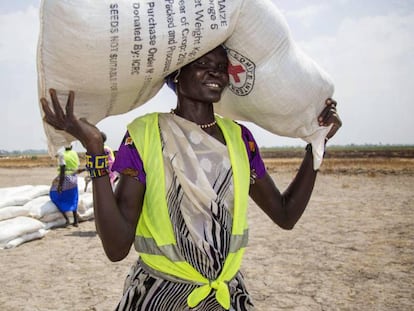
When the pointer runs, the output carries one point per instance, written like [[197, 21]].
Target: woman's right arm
[[116, 214]]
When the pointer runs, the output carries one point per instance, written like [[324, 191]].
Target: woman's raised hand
[[329, 116], [88, 134]]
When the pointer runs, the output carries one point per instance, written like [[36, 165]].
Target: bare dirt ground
[[353, 249]]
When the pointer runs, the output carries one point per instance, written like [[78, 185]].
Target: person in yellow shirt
[[64, 190]]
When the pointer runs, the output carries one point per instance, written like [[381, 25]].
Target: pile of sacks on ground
[[27, 213]]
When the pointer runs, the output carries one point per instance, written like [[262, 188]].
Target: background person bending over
[[182, 196], [111, 159], [64, 190]]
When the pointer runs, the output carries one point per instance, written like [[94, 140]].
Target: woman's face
[[205, 78]]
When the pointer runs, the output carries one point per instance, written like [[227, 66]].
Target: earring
[[176, 76]]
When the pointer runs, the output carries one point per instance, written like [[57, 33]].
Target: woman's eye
[[223, 67]]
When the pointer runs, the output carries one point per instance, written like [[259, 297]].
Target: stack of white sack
[[20, 195], [115, 55], [18, 230], [27, 213], [85, 203]]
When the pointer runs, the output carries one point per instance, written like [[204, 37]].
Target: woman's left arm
[[285, 209]]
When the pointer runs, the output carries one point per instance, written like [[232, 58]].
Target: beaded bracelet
[[97, 165]]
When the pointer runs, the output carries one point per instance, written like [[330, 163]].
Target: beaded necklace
[[203, 126]]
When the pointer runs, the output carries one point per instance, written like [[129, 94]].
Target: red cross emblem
[[242, 72], [234, 71]]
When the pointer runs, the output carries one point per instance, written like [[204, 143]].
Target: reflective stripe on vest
[[155, 239]]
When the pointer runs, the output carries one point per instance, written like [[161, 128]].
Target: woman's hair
[[169, 80]]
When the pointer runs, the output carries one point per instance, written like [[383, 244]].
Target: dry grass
[[370, 166], [30, 161], [351, 165]]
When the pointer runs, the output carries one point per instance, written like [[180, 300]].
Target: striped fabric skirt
[[146, 292], [67, 200]]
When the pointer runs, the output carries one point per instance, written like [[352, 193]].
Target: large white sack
[[276, 86], [56, 219], [10, 191], [86, 215], [51, 217], [82, 184], [8, 212], [85, 202], [25, 238], [272, 82], [85, 207], [59, 222], [114, 55], [13, 228], [20, 195], [41, 206], [8, 195]]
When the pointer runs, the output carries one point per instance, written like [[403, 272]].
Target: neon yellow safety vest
[[155, 240], [71, 161]]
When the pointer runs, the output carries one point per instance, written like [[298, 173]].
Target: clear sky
[[366, 46]]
